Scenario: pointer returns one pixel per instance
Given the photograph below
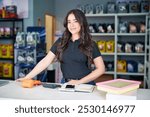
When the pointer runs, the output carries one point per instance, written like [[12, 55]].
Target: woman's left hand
[[74, 82]]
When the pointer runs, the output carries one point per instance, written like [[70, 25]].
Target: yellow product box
[[7, 70], [1, 69], [0, 50], [10, 51], [4, 51], [110, 46], [102, 46], [121, 66]]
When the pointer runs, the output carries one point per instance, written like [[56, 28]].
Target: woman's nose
[[72, 24]]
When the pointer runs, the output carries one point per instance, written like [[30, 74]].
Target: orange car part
[[30, 83]]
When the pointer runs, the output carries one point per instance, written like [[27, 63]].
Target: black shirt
[[75, 63]]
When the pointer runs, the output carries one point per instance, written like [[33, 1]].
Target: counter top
[[14, 90]]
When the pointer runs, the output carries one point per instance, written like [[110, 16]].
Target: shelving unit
[[28, 54], [109, 56], [132, 38], [24, 65], [147, 60], [123, 37], [10, 27]]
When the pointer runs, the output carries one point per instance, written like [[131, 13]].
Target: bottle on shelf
[[3, 12]]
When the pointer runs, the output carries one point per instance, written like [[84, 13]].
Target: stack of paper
[[118, 86]]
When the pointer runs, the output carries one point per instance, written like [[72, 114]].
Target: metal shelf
[[116, 36], [9, 37], [130, 74], [10, 19], [103, 34], [131, 34], [131, 54], [108, 54], [25, 65], [131, 14], [6, 58], [25, 48], [6, 78], [110, 72], [116, 14], [12, 23], [100, 15]]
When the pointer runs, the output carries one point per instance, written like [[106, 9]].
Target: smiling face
[[73, 26]]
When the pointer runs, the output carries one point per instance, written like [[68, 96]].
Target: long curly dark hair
[[86, 40]]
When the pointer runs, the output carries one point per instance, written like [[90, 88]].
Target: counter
[[14, 90]]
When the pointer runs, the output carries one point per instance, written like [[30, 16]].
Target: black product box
[[122, 7], [111, 7], [134, 7], [11, 9], [145, 6]]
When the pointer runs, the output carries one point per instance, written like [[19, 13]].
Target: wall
[[29, 21], [58, 8], [63, 6], [37, 9], [42, 7]]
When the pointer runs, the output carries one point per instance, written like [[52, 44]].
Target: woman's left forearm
[[92, 76]]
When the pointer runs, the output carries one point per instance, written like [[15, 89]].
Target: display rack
[[30, 51], [123, 37], [147, 60], [9, 28], [104, 18]]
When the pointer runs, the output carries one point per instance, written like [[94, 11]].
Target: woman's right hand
[[23, 78]]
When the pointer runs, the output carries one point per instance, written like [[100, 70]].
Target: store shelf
[[100, 15], [148, 30], [107, 54], [131, 14], [103, 34], [10, 19], [117, 37], [130, 74], [27, 55], [110, 72], [114, 14], [7, 38], [6, 78], [131, 34], [25, 48], [7, 42], [7, 59], [147, 60], [131, 54], [132, 38]]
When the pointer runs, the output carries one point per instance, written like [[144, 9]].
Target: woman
[[76, 52]]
